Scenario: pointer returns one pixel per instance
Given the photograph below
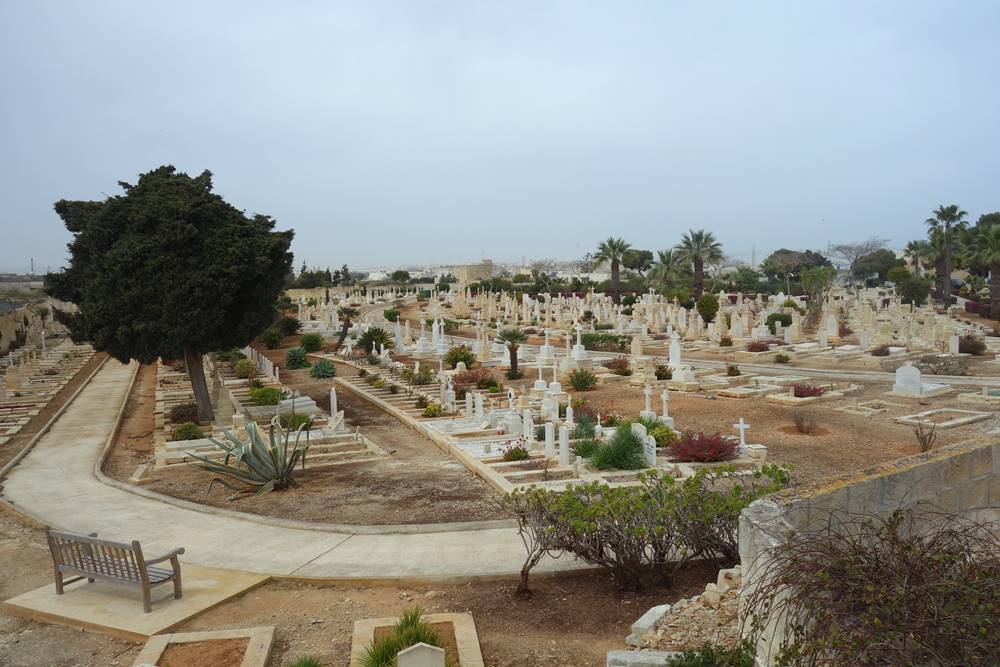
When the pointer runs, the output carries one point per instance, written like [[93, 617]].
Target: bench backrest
[[89, 554]]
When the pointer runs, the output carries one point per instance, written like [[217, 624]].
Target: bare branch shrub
[[926, 432]]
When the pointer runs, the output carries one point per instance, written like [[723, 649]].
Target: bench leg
[[146, 606], [59, 583], [177, 577]]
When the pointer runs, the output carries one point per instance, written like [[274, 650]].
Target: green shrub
[[582, 379], [586, 447], [391, 314], [374, 338], [663, 434], [460, 353], [603, 326], [324, 368], [186, 431], [421, 401], [516, 453], [605, 342], [511, 374], [424, 376], [584, 428], [732, 370], [708, 307], [393, 388], [641, 533], [663, 372], [185, 412], [782, 358], [784, 318], [622, 452], [295, 359], [271, 337], [244, 368], [433, 410], [379, 383], [725, 341], [294, 422], [289, 326], [971, 344], [713, 655], [265, 396], [311, 342]]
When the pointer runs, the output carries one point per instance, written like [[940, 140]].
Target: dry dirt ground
[[569, 621]]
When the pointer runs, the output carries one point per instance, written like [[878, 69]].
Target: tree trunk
[[615, 282], [513, 361], [196, 371], [947, 267], [699, 278], [939, 280], [995, 291], [343, 334]]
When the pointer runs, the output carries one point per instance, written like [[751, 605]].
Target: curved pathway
[[56, 485]]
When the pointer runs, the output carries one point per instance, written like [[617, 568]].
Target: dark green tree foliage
[[875, 263], [169, 269]]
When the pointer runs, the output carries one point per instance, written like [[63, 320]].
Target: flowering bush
[[758, 346], [618, 365], [703, 448], [808, 390]]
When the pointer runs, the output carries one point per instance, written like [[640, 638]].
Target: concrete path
[[55, 484]]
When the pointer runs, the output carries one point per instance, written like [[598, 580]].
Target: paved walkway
[[55, 483]]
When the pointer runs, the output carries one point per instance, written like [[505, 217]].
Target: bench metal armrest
[[167, 556]]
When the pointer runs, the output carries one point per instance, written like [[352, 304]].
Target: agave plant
[[260, 465]]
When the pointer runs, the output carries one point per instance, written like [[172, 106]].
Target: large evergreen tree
[[169, 269]]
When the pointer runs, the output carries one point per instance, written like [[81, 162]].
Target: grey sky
[[415, 132]]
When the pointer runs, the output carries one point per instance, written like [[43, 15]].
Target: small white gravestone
[[480, 414], [953, 344], [649, 450], [564, 446], [333, 401], [742, 427], [907, 381], [648, 395], [550, 440], [421, 655], [569, 415], [665, 417]]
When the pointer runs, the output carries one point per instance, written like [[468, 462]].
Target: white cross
[[742, 426]]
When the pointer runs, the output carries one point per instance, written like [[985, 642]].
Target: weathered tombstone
[[569, 415], [333, 401], [421, 655], [564, 446], [907, 381], [550, 440], [953, 344], [649, 451], [648, 412]]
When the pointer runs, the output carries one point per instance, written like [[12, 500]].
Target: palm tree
[[947, 219], [611, 251], [666, 268], [698, 248], [932, 254], [986, 251], [512, 338], [913, 251], [345, 318]]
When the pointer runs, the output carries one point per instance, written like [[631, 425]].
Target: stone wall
[[962, 478]]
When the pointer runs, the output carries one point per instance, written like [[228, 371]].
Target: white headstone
[[421, 655], [908, 381], [333, 401], [564, 446], [550, 440]]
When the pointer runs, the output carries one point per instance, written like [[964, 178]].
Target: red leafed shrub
[[477, 378], [758, 346], [618, 365], [808, 390], [703, 448]]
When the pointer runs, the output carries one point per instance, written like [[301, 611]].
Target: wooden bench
[[91, 558]]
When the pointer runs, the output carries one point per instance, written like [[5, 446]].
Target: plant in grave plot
[[605, 342], [513, 338], [703, 448], [714, 655], [868, 589], [323, 369], [971, 344], [289, 326], [421, 401], [293, 422], [619, 365], [433, 410], [802, 390], [418, 378], [265, 395], [640, 533], [725, 340], [409, 630], [516, 452], [784, 318], [478, 378], [311, 342], [460, 353], [782, 358], [880, 351], [295, 359], [926, 435], [260, 465], [186, 431], [623, 451], [663, 372], [185, 412], [758, 346], [582, 379], [391, 314], [244, 369], [732, 370]]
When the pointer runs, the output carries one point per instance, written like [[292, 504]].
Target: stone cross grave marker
[[742, 427]]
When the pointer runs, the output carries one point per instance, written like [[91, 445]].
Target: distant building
[[468, 273]]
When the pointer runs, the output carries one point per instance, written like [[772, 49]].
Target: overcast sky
[[419, 132]]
